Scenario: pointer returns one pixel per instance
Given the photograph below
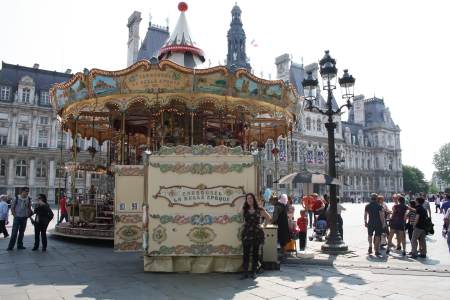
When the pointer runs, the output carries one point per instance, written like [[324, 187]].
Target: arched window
[[26, 92], [21, 168], [319, 125], [308, 123], [41, 168], [2, 167]]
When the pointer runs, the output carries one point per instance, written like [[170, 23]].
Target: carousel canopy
[[142, 90]]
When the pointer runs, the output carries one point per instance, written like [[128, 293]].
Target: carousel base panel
[[66, 230], [193, 264]]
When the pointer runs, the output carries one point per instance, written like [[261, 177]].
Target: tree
[[413, 180], [441, 161]]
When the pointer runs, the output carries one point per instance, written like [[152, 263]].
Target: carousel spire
[[180, 47]]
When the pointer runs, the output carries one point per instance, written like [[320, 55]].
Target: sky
[[396, 50]]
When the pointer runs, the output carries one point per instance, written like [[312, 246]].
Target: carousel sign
[[190, 196]]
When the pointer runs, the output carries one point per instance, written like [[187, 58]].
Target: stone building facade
[[30, 137]]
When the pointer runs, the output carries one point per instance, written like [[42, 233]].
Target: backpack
[[429, 226], [29, 203]]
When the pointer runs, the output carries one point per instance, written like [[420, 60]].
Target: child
[[302, 224]]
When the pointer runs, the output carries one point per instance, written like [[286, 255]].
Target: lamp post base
[[336, 247]]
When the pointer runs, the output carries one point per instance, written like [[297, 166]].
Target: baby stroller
[[320, 230]]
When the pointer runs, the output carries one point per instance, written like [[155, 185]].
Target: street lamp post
[[328, 71]]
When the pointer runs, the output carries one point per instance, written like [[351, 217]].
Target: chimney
[[36, 66], [68, 71]]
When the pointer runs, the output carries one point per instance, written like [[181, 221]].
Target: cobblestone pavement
[[84, 270], [355, 236]]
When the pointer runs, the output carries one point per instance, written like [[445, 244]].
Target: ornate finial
[[149, 17], [167, 23], [182, 6]]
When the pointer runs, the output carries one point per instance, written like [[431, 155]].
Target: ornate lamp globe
[[310, 88], [347, 83], [328, 71]]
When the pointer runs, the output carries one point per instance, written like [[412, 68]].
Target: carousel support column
[[122, 138], [192, 128], [221, 126], [290, 158], [275, 154], [73, 183], [149, 134]]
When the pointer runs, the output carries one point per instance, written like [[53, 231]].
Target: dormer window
[[5, 93], [26, 92]]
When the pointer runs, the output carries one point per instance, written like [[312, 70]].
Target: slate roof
[[10, 75], [154, 39], [296, 76]]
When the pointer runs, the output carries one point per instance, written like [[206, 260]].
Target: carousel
[[169, 124]]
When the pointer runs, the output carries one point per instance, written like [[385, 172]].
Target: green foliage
[[414, 180], [441, 161], [432, 189]]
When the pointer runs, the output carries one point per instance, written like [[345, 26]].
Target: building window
[[269, 147], [21, 168], [269, 182], [295, 151], [3, 140], [61, 140], [43, 139], [319, 125], [2, 167], [23, 138], [95, 176], [3, 136], [5, 93], [308, 123], [43, 120], [80, 142], [282, 147], [44, 98], [41, 169], [60, 170], [41, 190], [80, 174], [26, 92]]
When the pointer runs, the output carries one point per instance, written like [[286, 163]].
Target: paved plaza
[[86, 270]]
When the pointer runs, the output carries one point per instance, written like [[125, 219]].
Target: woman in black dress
[[43, 216], [252, 234], [280, 218]]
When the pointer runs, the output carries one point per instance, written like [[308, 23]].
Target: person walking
[[419, 233], [252, 233], [374, 221], [302, 223], [398, 225], [4, 209], [280, 218], [446, 205], [307, 203], [43, 217], [340, 208], [437, 203], [63, 209], [387, 213], [21, 210], [411, 218], [446, 227]]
